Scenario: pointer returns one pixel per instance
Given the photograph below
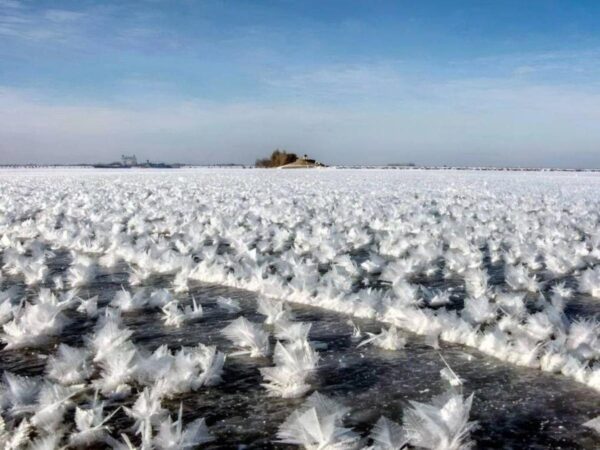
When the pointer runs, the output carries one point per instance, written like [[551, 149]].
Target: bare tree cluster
[[278, 158]]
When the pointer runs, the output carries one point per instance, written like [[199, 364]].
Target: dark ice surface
[[515, 407]]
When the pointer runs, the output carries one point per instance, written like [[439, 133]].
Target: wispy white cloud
[[11, 4], [19, 21], [33, 128], [114, 27], [333, 81], [461, 123], [534, 82], [63, 16], [559, 65]]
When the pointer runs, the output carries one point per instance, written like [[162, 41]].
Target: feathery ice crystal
[[490, 261]]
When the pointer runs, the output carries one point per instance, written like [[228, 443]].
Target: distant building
[[302, 163], [128, 161]]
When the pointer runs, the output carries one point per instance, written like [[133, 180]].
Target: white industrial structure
[[128, 161]]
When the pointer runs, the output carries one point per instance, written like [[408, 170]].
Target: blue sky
[[434, 82]]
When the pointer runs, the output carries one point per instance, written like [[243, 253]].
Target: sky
[[494, 83]]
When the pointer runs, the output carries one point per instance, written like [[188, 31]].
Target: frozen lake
[[336, 245]]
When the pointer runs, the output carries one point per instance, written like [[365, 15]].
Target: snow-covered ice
[[183, 307]]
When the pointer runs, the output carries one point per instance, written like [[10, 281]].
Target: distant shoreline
[[333, 167]]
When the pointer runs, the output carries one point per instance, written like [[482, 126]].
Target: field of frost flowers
[[327, 309]]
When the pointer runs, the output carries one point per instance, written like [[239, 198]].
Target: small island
[[281, 159]]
